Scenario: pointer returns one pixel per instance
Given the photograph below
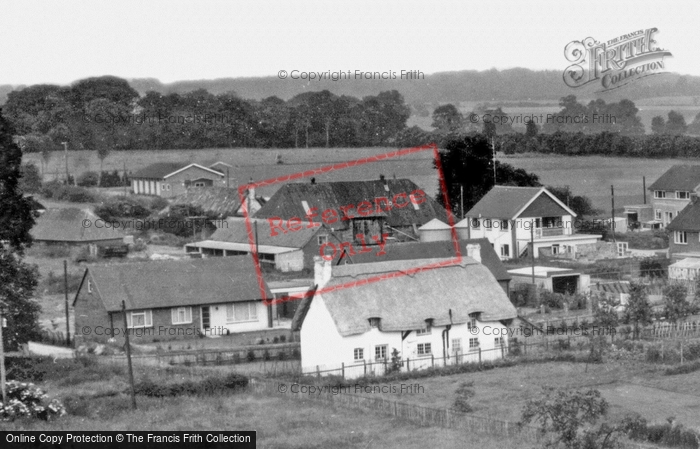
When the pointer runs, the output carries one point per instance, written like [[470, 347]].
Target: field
[[629, 387], [586, 175]]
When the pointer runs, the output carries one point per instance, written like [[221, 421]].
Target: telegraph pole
[[2, 357], [612, 211], [532, 249], [128, 357], [65, 289]]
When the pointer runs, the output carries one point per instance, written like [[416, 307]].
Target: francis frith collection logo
[[616, 62]]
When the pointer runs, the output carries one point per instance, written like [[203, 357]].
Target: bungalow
[[167, 300], [447, 315], [672, 192], [169, 179], [392, 207], [291, 251], [515, 218], [75, 227]]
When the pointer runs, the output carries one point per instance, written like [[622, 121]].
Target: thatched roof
[[446, 295]]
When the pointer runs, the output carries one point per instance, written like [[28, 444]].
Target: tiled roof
[[688, 219], [70, 225], [437, 250], [234, 230], [157, 284], [287, 202], [159, 170], [503, 202], [678, 177]]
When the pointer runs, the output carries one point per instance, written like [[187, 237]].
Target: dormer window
[[682, 195], [374, 322]]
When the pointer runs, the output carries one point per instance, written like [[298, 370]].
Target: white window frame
[[471, 323], [475, 223], [378, 350], [680, 237], [505, 250], [321, 239], [424, 349], [89, 286], [682, 195], [657, 214], [504, 225], [175, 315], [424, 331], [147, 318], [358, 354], [490, 224], [457, 345], [473, 344], [498, 342], [252, 312], [659, 194]]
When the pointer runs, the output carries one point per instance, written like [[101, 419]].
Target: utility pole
[[128, 357], [461, 199], [65, 289], [65, 159], [125, 183], [644, 188], [493, 149], [532, 249], [612, 225], [228, 178], [2, 356]]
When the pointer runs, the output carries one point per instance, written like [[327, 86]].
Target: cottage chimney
[[251, 191], [322, 270], [474, 251]]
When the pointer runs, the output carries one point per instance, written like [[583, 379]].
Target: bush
[[207, 386], [683, 369], [88, 179], [653, 355], [118, 207], [61, 192], [251, 355], [463, 394], [27, 400], [30, 182], [266, 355]]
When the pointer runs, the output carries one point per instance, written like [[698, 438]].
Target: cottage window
[[424, 349], [322, 239], [473, 344], [199, 184], [476, 224], [162, 186], [487, 224], [374, 322], [181, 315], [498, 341], [241, 311], [680, 237], [141, 318], [89, 286], [659, 194], [657, 214], [457, 345], [682, 195], [504, 225], [505, 250], [380, 352], [424, 331], [167, 187], [359, 354], [471, 324]]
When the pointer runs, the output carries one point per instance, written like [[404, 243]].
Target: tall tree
[[447, 119], [468, 167], [17, 279], [676, 304], [638, 310], [658, 125], [676, 124]]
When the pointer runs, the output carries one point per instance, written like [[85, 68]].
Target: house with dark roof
[[167, 300], [515, 218], [357, 211], [168, 179], [75, 227], [221, 202], [685, 229], [451, 314], [672, 192], [444, 249], [290, 251]]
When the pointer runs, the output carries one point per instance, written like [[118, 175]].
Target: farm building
[[513, 217], [167, 300], [441, 250], [168, 179], [454, 313], [221, 202], [556, 280], [673, 191], [76, 227], [356, 211], [291, 251]]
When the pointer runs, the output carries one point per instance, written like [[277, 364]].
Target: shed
[[435, 231], [553, 279]]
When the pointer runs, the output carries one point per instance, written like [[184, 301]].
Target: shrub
[[283, 338], [464, 393], [27, 400], [117, 207], [281, 356], [296, 354], [683, 369], [266, 355], [88, 179], [158, 203], [653, 354], [30, 182], [251, 355]]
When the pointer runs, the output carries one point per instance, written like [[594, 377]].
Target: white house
[[446, 315], [513, 217]]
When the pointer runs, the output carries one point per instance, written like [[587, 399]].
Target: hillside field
[[586, 175]]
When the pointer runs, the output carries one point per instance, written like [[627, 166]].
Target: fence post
[[364, 365], [408, 364], [479, 355], [318, 372], [342, 370]]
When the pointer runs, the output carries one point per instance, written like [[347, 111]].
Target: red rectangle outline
[[338, 166]]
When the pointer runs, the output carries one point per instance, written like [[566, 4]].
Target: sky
[[63, 41]]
